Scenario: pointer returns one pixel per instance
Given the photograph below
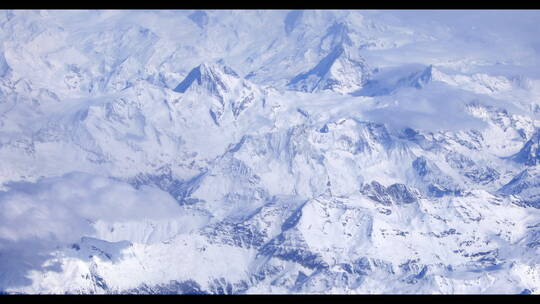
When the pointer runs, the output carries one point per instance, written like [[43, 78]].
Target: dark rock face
[[173, 287], [526, 186], [289, 248], [377, 192], [401, 194], [420, 166], [438, 183], [529, 155], [395, 194], [180, 190], [235, 234], [362, 266], [482, 175]]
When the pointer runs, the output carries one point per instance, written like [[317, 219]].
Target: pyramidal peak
[[340, 71], [224, 85], [215, 78], [529, 155]]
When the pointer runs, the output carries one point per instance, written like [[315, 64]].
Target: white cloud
[[64, 208]]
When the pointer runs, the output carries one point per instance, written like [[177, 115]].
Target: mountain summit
[[338, 71], [222, 88], [530, 153], [215, 78]]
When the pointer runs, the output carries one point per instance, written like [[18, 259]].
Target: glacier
[[269, 152]]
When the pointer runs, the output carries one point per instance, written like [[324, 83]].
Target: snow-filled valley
[[249, 152]]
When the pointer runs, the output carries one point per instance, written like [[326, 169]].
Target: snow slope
[[269, 152]]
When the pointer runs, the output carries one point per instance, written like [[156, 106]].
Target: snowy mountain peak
[[525, 186], [212, 77], [340, 70], [530, 153], [226, 89]]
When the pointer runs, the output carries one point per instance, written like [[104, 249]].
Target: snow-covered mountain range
[[269, 152]]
